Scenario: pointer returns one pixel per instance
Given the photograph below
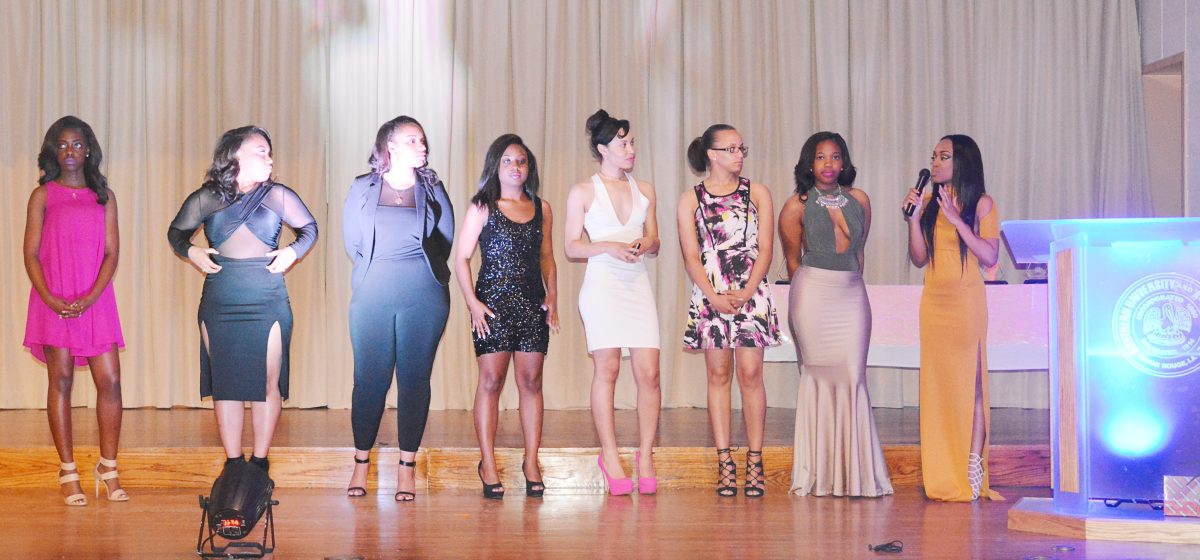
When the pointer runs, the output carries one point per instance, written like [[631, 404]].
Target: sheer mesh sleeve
[[287, 204], [198, 206]]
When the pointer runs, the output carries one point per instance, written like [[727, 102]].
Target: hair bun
[[597, 120]]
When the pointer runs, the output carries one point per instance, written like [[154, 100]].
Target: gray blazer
[[358, 223]]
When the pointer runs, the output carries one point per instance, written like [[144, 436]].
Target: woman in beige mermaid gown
[[823, 231]]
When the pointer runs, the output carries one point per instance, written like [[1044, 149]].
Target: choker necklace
[[604, 177], [835, 199]]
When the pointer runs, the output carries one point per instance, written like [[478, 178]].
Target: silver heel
[[975, 473]]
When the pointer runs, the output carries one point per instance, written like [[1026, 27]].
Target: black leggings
[[397, 316]]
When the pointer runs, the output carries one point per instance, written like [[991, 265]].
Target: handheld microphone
[[922, 178]]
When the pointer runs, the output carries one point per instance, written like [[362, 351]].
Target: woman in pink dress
[[71, 246]]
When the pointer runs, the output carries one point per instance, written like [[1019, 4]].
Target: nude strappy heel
[[118, 495], [78, 499]]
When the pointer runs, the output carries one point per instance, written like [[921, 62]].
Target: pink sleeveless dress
[[71, 252]]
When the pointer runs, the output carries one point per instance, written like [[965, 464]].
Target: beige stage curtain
[[1050, 89]]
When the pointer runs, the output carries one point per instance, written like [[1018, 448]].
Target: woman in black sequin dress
[[513, 305]]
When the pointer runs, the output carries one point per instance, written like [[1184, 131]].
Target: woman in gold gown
[[954, 230]]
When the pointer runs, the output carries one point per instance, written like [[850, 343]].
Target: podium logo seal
[[1156, 324]]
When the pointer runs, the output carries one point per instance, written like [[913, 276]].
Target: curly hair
[[222, 175]]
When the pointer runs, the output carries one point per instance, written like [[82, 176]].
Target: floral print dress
[[727, 231]]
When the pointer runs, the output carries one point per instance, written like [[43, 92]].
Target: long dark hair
[[222, 175], [489, 180], [47, 159], [967, 181], [803, 171], [602, 128], [697, 151]]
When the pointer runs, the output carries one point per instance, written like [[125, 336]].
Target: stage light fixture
[[240, 497]]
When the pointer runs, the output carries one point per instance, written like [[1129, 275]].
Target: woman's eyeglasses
[[734, 149]]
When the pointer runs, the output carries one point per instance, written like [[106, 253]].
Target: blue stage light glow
[[1135, 433]]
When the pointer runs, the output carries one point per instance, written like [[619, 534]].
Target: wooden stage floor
[[691, 524], [169, 457], [180, 448]]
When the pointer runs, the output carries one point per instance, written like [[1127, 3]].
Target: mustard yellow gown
[[953, 322]]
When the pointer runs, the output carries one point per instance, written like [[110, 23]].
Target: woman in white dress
[[616, 301]]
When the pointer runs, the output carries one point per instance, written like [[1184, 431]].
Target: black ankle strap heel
[[404, 496], [359, 491]]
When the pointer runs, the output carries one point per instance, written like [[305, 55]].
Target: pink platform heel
[[645, 484], [616, 486]]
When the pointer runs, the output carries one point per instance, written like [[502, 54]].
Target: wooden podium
[[1124, 374]]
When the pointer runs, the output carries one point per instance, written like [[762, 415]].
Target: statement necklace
[[834, 199]]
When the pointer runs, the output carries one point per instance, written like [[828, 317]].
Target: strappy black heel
[[404, 495], [490, 491], [359, 491], [726, 474], [756, 480]]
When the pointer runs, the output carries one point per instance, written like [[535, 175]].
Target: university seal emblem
[[1156, 324]]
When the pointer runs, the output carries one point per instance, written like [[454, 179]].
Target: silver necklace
[[835, 199]]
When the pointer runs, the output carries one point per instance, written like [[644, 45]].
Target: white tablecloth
[[1017, 327]]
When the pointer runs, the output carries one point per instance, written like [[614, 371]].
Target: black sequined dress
[[510, 284]]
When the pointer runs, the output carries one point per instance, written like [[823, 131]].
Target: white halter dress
[[616, 301]]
